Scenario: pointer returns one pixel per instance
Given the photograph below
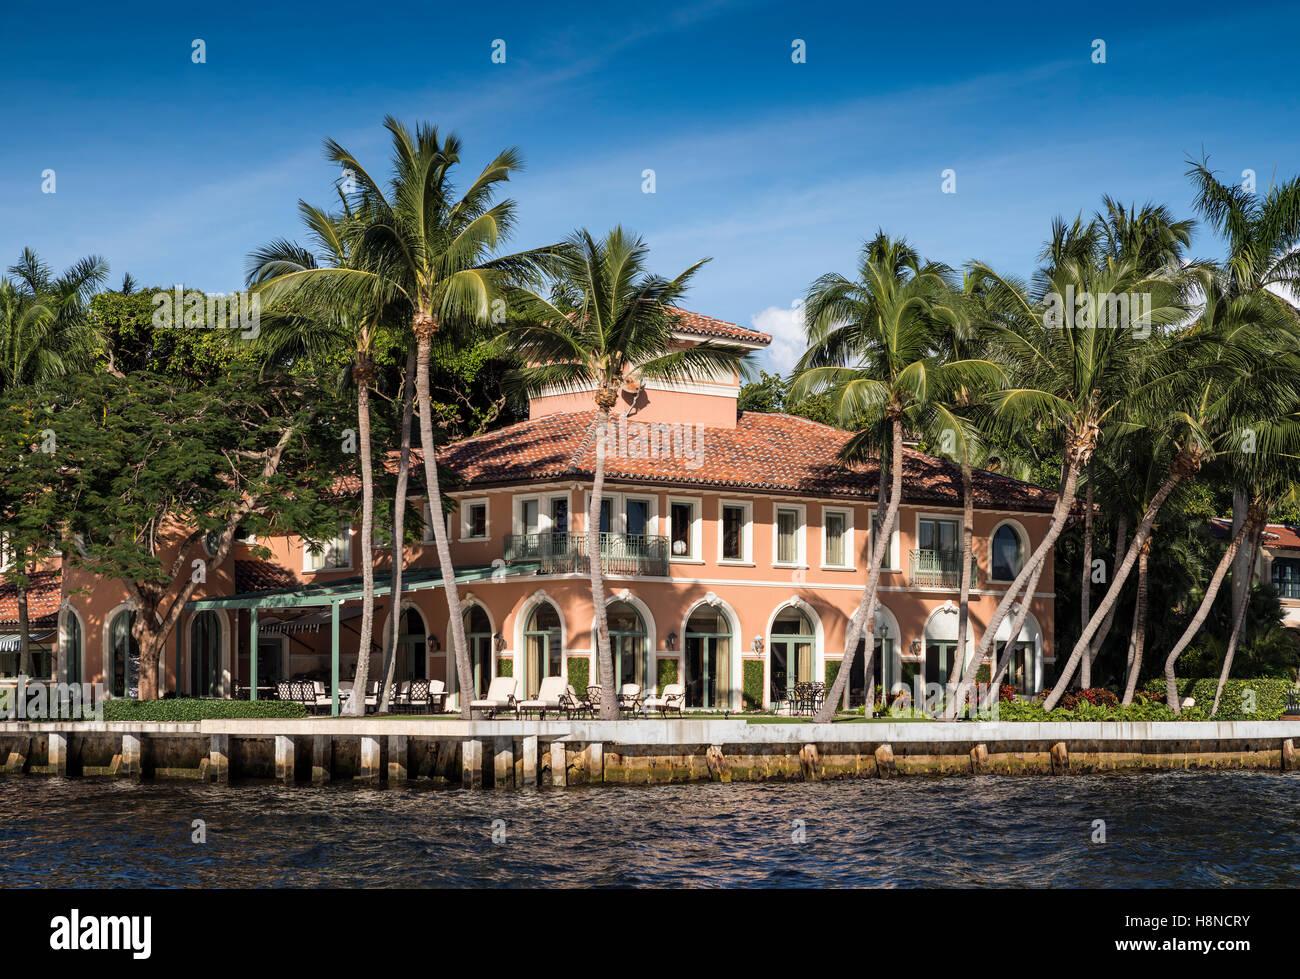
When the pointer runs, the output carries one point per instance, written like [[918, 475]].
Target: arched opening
[[1007, 553], [412, 642], [123, 656], [543, 647], [941, 644], [708, 659], [205, 655], [627, 640], [478, 636], [1023, 671], [74, 640], [790, 648], [885, 665]]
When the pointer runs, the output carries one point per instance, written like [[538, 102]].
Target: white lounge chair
[[323, 699], [629, 699], [548, 698], [437, 696], [673, 698], [500, 696]]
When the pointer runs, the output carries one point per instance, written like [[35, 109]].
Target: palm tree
[[425, 254], [607, 323], [45, 332], [313, 325], [1262, 234], [874, 344]]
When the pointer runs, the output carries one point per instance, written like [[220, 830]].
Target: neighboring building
[[736, 548], [1278, 562]]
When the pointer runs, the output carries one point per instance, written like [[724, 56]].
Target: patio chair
[[400, 702], [593, 698], [574, 706], [500, 696], [629, 699], [372, 696], [417, 697], [437, 696], [548, 698], [673, 698], [320, 699], [284, 690]]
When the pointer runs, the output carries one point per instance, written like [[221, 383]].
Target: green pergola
[[334, 594]]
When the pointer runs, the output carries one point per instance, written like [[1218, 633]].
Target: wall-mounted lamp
[[916, 646], [670, 641], [757, 644], [434, 645], [499, 642]]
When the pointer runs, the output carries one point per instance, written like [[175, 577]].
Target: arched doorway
[[412, 644], [205, 655], [790, 652], [708, 659], [941, 643], [1024, 671], [123, 672], [627, 640], [478, 636], [543, 647], [74, 639]]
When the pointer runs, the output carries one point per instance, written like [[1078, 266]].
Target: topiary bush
[[752, 685], [1248, 699], [187, 710], [579, 673], [506, 666], [667, 672]]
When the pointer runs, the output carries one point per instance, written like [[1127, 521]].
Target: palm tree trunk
[[24, 634], [1238, 620], [863, 621], [963, 601], [1060, 513], [399, 531], [362, 373], [1177, 474], [1198, 620], [425, 325], [1137, 638], [1121, 540], [595, 571], [1239, 508], [1085, 584]]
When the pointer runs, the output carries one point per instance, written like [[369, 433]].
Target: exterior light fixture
[[499, 642], [916, 646], [434, 645], [757, 644], [670, 641]]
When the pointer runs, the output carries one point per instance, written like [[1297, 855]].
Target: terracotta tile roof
[[698, 324], [261, 576], [44, 595], [1279, 536], [764, 452]]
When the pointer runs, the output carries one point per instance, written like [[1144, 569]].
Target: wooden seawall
[[510, 754]]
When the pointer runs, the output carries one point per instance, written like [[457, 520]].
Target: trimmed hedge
[[182, 710], [579, 673], [752, 685], [666, 671], [506, 666], [832, 671], [1267, 696]]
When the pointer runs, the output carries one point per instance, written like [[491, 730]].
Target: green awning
[[351, 589]]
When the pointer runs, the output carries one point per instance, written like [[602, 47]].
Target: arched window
[[124, 656], [1008, 554], [627, 639], [708, 659], [478, 636], [412, 643], [791, 651], [543, 647], [73, 647], [205, 655]]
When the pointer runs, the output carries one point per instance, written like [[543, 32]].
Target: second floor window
[[733, 533], [1286, 577], [787, 536], [940, 536], [683, 515], [560, 515], [836, 539], [1008, 557], [337, 553], [474, 521]]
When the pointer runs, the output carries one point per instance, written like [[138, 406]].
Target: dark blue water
[[1174, 829]]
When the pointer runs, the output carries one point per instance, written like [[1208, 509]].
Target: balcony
[[939, 569], [565, 553]]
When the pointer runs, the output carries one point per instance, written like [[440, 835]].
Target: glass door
[[708, 660]]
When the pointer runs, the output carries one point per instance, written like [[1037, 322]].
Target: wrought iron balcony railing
[[566, 553], [939, 569]]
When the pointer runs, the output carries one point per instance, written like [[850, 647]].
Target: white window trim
[[849, 553], [696, 555], [463, 507], [1022, 534], [344, 534], [548, 499], [801, 535], [894, 564], [618, 510], [746, 558], [428, 525]]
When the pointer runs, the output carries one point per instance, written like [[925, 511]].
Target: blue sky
[[173, 171]]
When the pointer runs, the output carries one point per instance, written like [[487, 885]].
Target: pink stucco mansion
[[735, 547]]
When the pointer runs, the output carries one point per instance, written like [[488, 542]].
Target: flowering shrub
[[1007, 693]]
